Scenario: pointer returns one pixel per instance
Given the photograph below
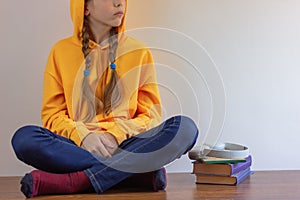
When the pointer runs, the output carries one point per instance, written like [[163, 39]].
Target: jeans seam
[[55, 138], [92, 176]]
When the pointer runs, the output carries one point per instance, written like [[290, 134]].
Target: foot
[[27, 185], [159, 179], [39, 182], [156, 180]]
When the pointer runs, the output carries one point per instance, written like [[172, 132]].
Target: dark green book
[[215, 160]]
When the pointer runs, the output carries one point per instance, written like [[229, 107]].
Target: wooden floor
[[260, 186]]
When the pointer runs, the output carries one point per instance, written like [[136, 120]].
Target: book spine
[[242, 175], [235, 168]]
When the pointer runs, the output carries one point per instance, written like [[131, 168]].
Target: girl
[[101, 111]]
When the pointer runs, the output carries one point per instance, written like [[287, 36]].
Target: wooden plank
[[261, 185]]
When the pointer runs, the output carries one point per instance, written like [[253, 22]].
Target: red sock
[[39, 182]]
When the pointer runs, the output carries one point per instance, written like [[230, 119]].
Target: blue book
[[234, 179], [225, 169]]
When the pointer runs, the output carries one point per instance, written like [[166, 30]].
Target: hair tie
[[86, 72], [113, 66]]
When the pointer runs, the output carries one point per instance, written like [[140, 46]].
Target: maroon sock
[[39, 182]]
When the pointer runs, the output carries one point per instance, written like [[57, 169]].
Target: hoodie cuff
[[118, 134], [80, 133]]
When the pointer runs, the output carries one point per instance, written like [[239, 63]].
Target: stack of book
[[211, 170]]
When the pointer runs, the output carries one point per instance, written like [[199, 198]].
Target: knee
[[187, 126], [21, 140], [188, 130]]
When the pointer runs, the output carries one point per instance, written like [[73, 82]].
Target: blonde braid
[[112, 86], [92, 101]]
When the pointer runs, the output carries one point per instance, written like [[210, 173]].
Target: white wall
[[28, 30], [254, 44]]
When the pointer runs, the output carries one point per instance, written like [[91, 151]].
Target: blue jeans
[[148, 151]]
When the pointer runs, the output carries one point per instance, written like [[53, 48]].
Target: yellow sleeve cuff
[[118, 133], [80, 133]]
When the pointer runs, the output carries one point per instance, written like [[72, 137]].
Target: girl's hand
[[109, 142], [101, 144]]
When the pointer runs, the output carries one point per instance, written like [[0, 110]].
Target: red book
[[234, 179]]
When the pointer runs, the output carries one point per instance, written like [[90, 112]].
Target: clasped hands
[[101, 144]]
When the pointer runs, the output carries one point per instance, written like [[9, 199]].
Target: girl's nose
[[118, 3]]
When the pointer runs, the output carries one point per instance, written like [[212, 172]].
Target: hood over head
[[77, 15]]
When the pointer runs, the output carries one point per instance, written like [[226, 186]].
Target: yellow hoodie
[[140, 109]]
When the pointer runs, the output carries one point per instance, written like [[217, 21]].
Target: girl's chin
[[116, 23]]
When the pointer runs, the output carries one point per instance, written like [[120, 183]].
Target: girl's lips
[[119, 14]]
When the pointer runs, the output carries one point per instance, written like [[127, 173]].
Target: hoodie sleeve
[[148, 112], [54, 113]]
